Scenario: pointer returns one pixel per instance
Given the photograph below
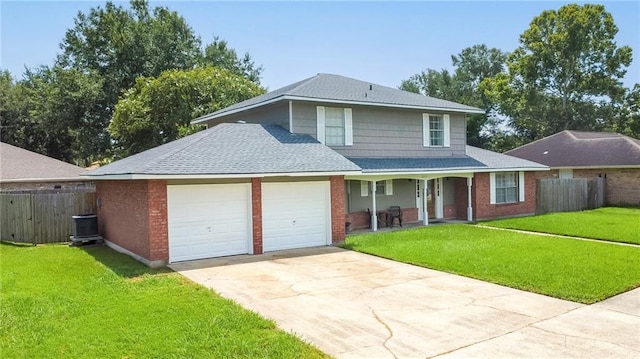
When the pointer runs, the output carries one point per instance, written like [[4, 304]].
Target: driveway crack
[[579, 337], [502, 334], [388, 329]]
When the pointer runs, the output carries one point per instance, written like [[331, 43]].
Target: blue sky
[[379, 42]]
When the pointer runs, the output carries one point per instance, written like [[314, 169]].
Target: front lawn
[[66, 302], [580, 271], [609, 223]]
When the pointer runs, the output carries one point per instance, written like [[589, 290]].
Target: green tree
[[158, 110], [566, 74], [118, 45], [472, 65], [52, 111], [219, 54]]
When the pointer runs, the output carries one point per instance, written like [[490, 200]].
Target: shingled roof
[[476, 160], [575, 149], [233, 149], [20, 165], [340, 89]]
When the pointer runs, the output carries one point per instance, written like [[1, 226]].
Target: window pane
[[334, 126], [436, 131], [506, 187]]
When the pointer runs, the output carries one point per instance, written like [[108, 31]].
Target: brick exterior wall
[[158, 223], [133, 215], [481, 199], [622, 185], [360, 220], [337, 209], [256, 214]]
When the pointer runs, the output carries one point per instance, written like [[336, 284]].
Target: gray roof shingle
[[19, 164], [500, 160], [414, 164], [233, 148], [477, 159], [335, 88], [582, 149]]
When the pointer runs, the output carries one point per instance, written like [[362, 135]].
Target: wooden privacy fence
[[568, 195], [42, 216]]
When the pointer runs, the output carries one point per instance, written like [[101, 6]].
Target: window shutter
[[447, 131], [348, 127], [521, 186], [388, 187], [492, 188], [364, 188], [320, 124], [426, 140]]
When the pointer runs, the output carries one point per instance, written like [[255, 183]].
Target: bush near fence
[[43, 216]]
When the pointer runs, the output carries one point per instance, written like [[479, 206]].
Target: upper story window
[[334, 126], [507, 187], [436, 130]]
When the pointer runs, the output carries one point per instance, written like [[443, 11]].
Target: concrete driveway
[[353, 305]]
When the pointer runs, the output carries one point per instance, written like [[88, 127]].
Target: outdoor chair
[[394, 212]]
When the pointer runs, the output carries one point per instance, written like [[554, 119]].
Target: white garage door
[[295, 215], [208, 220]]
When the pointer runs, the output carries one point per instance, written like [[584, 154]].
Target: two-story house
[[289, 168]]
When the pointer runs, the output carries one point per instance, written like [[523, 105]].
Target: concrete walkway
[[353, 305]]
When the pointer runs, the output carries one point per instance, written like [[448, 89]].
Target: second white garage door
[[208, 220], [295, 215]]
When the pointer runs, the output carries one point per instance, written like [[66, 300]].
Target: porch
[[423, 199], [416, 224]]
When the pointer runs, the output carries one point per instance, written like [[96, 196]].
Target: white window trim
[[492, 188], [321, 125], [364, 188], [426, 134]]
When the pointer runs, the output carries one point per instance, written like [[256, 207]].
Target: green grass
[[580, 271], [66, 302], [609, 223]]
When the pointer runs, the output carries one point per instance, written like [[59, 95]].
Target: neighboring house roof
[[232, 150], [339, 89], [476, 160], [578, 149], [20, 165]]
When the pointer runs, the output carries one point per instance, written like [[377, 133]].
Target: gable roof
[[20, 165], [582, 149], [345, 90], [476, 160], [231, 150]]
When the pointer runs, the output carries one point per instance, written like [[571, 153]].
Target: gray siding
[[403, 195], [384, 132], [274, 114]]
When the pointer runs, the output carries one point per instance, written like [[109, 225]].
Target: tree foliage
[[64, 111], [52, 111], [158, 110], [566, 74], [219, 54], [472, 65]]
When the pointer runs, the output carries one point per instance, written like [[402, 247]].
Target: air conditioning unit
[[85, 230], [85, 225]]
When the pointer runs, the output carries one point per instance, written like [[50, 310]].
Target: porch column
[[425, 216], [374, 217], [469, 208]]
